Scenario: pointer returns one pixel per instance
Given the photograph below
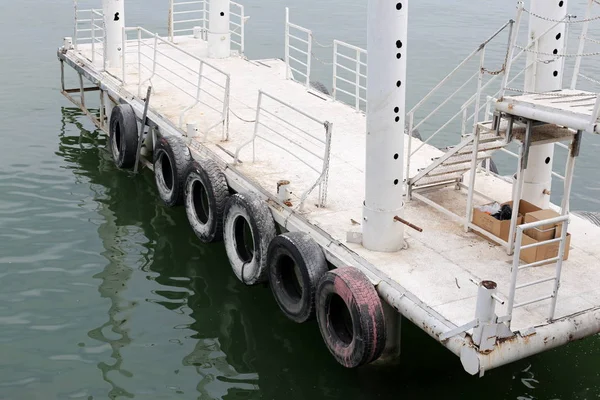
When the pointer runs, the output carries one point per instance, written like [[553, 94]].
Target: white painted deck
[[439, 263]]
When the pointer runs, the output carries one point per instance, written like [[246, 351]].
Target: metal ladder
[[564, 220], [450, 168]]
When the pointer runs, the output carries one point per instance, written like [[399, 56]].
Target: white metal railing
[[186, 15], [350, 74], [300, 140], [89, 29], [516, 267], [297, 37], [164, 65]]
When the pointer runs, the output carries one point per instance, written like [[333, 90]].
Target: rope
[[592, 40], [240, 118], [567, 20], [557, 55]]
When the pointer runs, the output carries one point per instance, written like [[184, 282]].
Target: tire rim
[[116, 141], [244, 239], [340, 319], [200, 203], [166, 171], [291, 278]]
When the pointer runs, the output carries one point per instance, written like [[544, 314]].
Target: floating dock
[[281, 139]]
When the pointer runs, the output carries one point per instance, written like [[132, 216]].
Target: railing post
[[287, 43], [171, 20], [485, 314], [584, 30], [226, 110], [561, 253], [204, 19], [139, 38], [411, 117], [357, 90], [76, 27], [93, 35], [514, 33], [124, 54], [243, 27], [513, 278], [335, 53], [308, 59]]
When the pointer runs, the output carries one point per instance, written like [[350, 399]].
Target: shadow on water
[[235, 342]]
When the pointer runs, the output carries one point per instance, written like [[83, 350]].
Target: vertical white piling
[[219, 37], [114, 22], [546, 75], [386, 83]]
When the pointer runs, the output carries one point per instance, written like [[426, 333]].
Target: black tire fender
[[248, 229], [320, 87], [206, 193], [123, 135], [350, 317], [172, 160], [296, 264]]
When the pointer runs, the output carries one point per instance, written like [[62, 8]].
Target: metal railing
[[161, 63], [89, 29], [293, 52], [298, 141], [350, 73], [186, 15], [516, 267]]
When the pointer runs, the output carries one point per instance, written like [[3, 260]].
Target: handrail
[[323, 170], [148, 52], [356, 72], [306, 53]]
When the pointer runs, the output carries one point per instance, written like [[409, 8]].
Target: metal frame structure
[[291, 41], [355, 67], [294, 130]]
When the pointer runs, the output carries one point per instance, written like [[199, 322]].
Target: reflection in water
[[180, 323]]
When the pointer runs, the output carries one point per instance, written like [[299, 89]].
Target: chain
[[557, 55], [319, 60], [319, 44], [567, 20], [592, 40]]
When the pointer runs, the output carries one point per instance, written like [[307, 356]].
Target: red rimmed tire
[[350, 317]]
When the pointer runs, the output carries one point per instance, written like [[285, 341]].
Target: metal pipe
[[386, 110], [219, 34], [584, 30], [114, 22]]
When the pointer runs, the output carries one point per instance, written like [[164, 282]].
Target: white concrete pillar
[[544, 76], [219, 38], [114, 22], [386, 82]]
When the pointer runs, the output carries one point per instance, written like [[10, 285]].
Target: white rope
[[319, 44], [592, 40], [319, 60], [557, 55], [566, 20]]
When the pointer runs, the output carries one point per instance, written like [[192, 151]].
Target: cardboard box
[[543, 232], [501, 228], [542, 252]]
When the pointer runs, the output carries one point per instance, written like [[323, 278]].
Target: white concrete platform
[[439, 263]]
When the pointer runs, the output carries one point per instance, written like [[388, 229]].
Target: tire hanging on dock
[[172, 160], [206, 193], [296, 264], [248, 229], [123, 135], [350, 317]]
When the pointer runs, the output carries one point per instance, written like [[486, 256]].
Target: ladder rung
[[525, 303], [535, 264], [428, 180], [444, 169], [535, 282], [460, 158], [482, 147]]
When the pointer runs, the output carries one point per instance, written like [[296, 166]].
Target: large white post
[[386, 83], [545, 75], [114, 22], [219, 38]]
